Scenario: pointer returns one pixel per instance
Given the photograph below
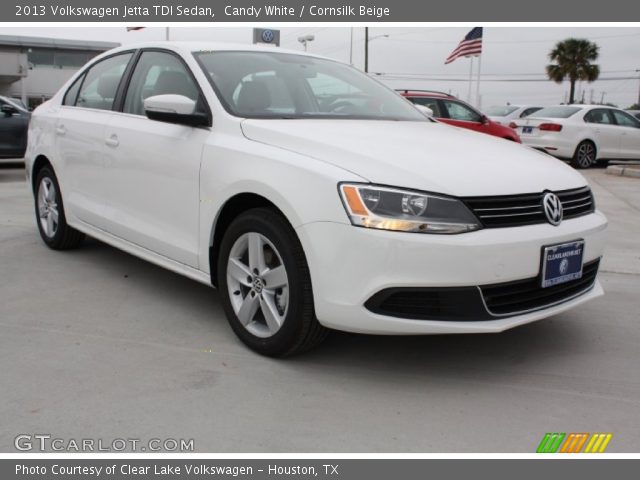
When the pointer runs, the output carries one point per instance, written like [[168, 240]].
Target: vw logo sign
[[552, 208], [267, 36]]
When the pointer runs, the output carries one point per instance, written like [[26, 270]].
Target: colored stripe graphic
[[573, 442], [598, 443], [550, 442]]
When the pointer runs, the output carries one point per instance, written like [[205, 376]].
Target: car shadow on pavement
[[455, 356]]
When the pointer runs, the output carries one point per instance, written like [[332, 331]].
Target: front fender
[[303, 189]]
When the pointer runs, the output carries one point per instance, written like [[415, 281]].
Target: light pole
[[305, 39], [351, 47], [638, 70], [368, 39]]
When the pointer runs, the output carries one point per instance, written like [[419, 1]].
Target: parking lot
[[95, 343]]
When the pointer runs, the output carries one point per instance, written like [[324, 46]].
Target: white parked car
[[505, 114], [583, 134], [310, 195]]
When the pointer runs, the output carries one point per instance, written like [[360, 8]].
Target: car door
[[462, 115], [82, 119], [13, 130], [629, 128], [152, 167], [601, 128]]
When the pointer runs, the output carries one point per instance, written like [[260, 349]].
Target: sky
[[413, 57]]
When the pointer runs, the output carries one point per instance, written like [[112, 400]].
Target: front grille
[[524, 295], [518, 210]]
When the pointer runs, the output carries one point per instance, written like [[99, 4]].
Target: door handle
[[112, 141], [60, 130]]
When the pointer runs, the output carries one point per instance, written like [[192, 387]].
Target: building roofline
[[60, 43]]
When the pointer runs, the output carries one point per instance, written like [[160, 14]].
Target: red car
[[448, 109]]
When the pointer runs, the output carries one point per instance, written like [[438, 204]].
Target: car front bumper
[[350, 265]]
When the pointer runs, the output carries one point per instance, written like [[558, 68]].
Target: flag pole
[[470, 78], [478, 83]]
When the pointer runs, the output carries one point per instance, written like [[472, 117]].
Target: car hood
[[419, 155]]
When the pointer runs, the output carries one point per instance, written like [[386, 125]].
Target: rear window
[[500, 111], [557, 112]]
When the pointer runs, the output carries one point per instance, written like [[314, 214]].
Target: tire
[[267, 295], [585, 155], [50, 218]]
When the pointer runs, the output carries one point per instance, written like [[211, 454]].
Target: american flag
[[470, 45]]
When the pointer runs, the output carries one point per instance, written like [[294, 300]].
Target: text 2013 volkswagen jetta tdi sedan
[[310, 195]]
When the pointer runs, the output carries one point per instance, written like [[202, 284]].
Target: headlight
[[406, 211]]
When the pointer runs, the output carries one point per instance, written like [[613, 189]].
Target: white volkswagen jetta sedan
[[310, 195], [505, 114], [583, 134]]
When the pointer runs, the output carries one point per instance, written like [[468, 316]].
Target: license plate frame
[[562, 263]]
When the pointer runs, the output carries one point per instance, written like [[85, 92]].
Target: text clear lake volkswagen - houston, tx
[[310, 195]]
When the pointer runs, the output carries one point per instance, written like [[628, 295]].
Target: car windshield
[[556, 112], [500, 111], [279, 85], [14, 102]]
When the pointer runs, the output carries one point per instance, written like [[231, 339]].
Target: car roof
[[514, 105], [186, 47], [584, 107]]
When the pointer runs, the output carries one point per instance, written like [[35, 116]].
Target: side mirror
[[485, 119], [174, 109], [9, 110], [424, 110]]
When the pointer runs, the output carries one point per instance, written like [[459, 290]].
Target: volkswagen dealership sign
[[266, 35]]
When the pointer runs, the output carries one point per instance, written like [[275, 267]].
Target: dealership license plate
[[527, 129], [562, 263]]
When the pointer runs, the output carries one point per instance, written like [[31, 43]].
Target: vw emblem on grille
[[552, 208], [267, 36]]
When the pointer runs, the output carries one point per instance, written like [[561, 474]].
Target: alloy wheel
[[48, 207], [586, 155], [258, 284]]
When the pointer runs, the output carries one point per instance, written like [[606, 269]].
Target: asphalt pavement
[[97, 344]]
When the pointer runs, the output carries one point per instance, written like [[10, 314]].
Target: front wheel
[[265, 285], [585, 155]]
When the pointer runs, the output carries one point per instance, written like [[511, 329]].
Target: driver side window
[[458, 111], [158, 73]]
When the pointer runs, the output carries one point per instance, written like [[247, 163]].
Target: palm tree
[[573, 58]]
